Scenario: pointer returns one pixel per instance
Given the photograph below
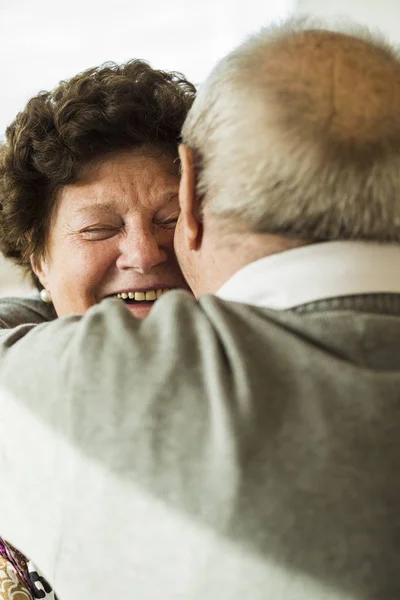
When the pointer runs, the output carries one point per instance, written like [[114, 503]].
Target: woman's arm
[[16, 311]]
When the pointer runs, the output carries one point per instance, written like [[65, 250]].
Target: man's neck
[[225, 254]]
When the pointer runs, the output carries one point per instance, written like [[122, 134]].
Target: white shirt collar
[[316, 272]]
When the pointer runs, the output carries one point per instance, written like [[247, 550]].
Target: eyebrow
[[167, 196], [99, 207], [107, 207]]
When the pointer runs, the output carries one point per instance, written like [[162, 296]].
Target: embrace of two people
[[205, 400]]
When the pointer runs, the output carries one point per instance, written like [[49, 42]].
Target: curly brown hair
[[100, 111]]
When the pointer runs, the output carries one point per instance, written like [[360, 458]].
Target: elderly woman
[[89, 179]]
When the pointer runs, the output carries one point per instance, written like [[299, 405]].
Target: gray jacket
[[212, 451]]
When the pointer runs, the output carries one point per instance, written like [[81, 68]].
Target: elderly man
[[244, 445]]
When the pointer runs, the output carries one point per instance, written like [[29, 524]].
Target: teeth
[[151, 295]]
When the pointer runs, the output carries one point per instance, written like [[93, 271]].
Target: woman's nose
[[140, 250]]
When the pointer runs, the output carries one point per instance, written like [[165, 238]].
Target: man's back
[[265, 465]]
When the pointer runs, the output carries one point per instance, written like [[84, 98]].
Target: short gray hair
[[265, 161]]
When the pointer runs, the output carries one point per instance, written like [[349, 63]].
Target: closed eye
[[99, 233], [168, 223]]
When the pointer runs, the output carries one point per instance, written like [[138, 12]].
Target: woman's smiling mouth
[[142, 296], [140, 302]]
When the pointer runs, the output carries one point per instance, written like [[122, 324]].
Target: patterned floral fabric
[[19, 578], [13, 562], [11, 586]]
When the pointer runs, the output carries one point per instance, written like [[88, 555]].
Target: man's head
[[294, 139]]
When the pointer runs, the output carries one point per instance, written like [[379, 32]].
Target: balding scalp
[[297, 133]]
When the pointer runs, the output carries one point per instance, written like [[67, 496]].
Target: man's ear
[[188, 200]]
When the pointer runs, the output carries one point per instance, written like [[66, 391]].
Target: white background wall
[[383, 15], [44, 41]]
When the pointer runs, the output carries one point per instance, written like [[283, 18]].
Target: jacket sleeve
[[97, 411]]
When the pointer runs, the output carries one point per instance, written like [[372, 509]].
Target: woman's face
[[112, 233]]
